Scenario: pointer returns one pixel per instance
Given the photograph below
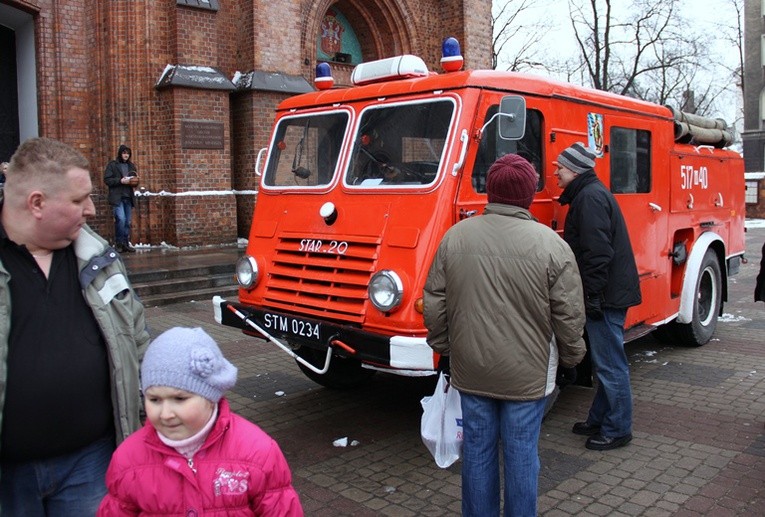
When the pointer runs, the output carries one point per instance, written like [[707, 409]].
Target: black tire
[[343, 373], [706, 305]]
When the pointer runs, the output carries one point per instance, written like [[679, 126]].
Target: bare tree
[[645, 49], [693, 78], [677, 81], [649, 51], [592, 30], [516, 36], [616, 53], [733, 34]]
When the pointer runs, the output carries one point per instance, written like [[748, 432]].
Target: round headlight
[[386, 290], [246, 271]]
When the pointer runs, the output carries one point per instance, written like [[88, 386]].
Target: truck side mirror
[[512, 117]]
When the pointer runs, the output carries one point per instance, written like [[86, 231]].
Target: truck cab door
[[487, 145]]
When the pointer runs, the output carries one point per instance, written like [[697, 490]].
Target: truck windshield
[[305, 150], [400, 145]]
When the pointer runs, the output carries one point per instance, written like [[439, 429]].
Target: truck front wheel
[[343, 372], [706, 305]]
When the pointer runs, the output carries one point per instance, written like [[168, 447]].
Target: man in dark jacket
[[72, 332], [596, 231], [121, 177], [504, 301]]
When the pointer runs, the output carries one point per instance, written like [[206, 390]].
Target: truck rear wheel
[[343, 373], [706, 305]]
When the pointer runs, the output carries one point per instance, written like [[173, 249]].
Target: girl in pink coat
[[193, 456]]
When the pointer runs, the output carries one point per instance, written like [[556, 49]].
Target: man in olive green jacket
[[72, 332], [504, 300]]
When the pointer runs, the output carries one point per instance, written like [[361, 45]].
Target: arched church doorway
[[9, 97], [18, 80], [345, 33]]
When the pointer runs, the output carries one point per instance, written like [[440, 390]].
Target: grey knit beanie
[[187, 359], [577, 158]]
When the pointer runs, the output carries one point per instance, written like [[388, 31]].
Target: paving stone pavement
[[698, 447]]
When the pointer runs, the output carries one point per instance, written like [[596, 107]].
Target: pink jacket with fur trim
[[239, 470]]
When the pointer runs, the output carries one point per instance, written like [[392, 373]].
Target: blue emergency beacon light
[[451, 59], [324, 79]]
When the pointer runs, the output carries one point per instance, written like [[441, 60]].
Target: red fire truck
[[360, 183]]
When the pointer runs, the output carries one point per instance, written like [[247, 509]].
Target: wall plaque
[[197, 134]]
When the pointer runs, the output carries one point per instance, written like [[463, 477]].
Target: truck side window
[[493, 147], [630, 160]]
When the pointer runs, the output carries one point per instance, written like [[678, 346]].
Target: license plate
[[290, 326]]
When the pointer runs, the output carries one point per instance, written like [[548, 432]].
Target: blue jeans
[[122, 214], [72, 484], [485, 421], [612, 406]]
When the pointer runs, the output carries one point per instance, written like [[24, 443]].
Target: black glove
[[443, 365], [593, 308], [565, 376]]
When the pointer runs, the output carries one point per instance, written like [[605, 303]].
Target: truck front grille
[[324, 283]]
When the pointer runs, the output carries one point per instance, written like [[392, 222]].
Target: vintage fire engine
[[359, 184]]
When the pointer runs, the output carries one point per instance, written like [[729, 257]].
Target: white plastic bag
[[441, 425]]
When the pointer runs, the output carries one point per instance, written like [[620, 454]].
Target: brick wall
[[252, 115], [199, 180], [98, 63]]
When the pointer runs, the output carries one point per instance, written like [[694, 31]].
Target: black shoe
[[601, 443], [127, 247], [119, 247], [585, 429]]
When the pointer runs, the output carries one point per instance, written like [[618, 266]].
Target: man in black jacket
[[596, 231]]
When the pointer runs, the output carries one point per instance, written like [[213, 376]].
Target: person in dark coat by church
[[121, 176]]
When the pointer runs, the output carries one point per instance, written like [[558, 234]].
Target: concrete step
[[198, 295], [166, 286], [181, 284], [170, 274], [163, 276]]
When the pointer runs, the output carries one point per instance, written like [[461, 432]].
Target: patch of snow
[[197, 68], [191, 193], [728, 318], [167, 69]]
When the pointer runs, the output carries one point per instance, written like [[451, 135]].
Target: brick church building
[[191, 87]]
